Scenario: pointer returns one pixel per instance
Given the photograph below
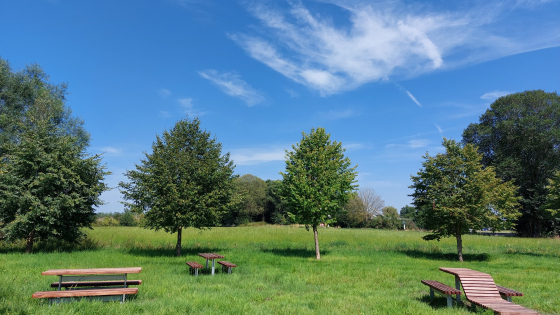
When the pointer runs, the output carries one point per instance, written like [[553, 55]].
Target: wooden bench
[[194, 266], [506, 293], [94, 284], [227, 264], [67, 295], [442, 289]]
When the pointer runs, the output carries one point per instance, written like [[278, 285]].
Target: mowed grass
[[361, 271]]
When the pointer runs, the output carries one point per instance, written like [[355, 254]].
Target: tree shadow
[[49, 246], [167, 252], [294, 252], [440, 302], [443, 256]]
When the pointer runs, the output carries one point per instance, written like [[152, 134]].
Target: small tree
[[454, 193], [318, 181], [48, 185], [185, 182]]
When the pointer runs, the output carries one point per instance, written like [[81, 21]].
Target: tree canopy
[[21, 91], [253, 197], [184, 182], [455, 193], [49, 186], [318, 181], [519, 136], [552, 204]]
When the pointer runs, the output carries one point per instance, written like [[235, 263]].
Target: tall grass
[[361, 271]]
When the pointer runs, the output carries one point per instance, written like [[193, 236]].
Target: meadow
[[361, 271]]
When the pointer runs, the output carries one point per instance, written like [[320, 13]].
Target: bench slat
[[96, 271], [194, 265], [227, 264], [76, 293], [445, 289], [95, 283]]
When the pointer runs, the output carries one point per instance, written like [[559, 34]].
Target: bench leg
[[449, 300], [229, 270], [431, 294], [196, 272], [458, 287]]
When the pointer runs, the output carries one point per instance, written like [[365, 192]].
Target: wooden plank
[[95, 271], [77, 293], [95, 283]]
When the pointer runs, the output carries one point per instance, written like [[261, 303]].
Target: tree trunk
[[459, 246], [30, 240], [179, 235], [317, 252]]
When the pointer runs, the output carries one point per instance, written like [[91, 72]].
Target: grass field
[[362, 271]]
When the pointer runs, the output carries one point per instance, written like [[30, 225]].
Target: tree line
[[504, 173]]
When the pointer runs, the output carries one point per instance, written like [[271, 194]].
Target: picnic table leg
[[206, 263], [458, 287], [59, 283], [124, 295], [431, 294], [213, 265]]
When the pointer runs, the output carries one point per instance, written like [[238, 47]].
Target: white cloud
[[334, 115], [164, 92], [353, 146], [232, 85], [293, 94], [439, 128], [111, 150], [164, 114], [385, 39], [418, 143], [188, 107], [413, 98], [490, 96], [257, 156]]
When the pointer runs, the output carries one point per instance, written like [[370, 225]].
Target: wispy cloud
[[164, 114], [334, 115], [418, 143], [293, 94], [413, 98], [111, 151], [388, 39], [188, 107], [439, 128], [353, 146], [490, 96], [164, 92], [232, 85], [257, 156]]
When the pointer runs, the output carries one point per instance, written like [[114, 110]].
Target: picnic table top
[[94, 271], [463, 272], [210, 255]]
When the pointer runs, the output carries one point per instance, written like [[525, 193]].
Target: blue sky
[[388, 79]]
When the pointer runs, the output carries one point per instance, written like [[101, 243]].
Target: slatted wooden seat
[[71, 284], [194, 266], [508, 293], [481, 290], [227, 264], [69, 294], [442, 289]]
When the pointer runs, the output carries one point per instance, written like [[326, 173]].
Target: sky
[[387, 79]]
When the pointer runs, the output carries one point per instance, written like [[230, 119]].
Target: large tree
[[552, 204], [520, 137], [318, 181], [184, 182], [252, 190], [49, 185], [21, 91], [455, 193]]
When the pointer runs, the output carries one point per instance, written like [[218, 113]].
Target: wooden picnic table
[[211, 256], [72, 278]]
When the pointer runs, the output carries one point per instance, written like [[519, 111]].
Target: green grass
[[361, 271]]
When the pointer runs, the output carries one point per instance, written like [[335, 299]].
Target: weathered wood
[[79, 293], [95, 283], [442, 289], [210, 255], [194, 265], [227, 264], [95, 271], [481, 290]]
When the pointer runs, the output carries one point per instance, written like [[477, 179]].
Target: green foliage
[[275, 206], [454, 193], [408, 212], [552, 204], [354, 214], [253, 193], [49, 186], [184, 182], [28, 89], [520, 137], [318, 180]]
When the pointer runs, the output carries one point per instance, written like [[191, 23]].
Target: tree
[[354, 214], [276, 207], [253, 192], [184, 182], [408, 212], [30, 88], [49, 186], [552, 204], [372, 201], [520, 137], [455, 193], [318, 181]]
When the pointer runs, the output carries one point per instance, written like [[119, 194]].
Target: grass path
[[361, 272]]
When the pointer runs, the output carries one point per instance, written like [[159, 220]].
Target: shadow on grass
[[49, 246], [443, 256], [294, 252], [165, 251]]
